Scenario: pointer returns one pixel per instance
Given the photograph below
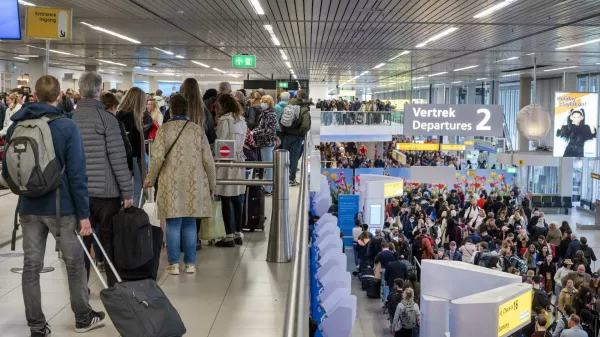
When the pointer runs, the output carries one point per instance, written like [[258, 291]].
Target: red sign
[[224, 151]]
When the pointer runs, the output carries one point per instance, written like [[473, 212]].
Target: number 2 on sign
[[482, 126]]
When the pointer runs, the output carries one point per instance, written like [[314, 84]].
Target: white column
[[35, 70], [318, 91], [441, 95], [153, 84], [127, 81], [471, 94]]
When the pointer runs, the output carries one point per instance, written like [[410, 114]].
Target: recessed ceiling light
[[28, 56], [268, 27], [257, 7], [25, 3], [456, 82], [509, 75], [137, 67], [111, 62], [438, 36], [276, 41], [110, 32], [219, 70], [364, 73], [508, 59], [164, 51], [465, 68], [481, 79], [201, 64], [442, 73], [233, 75], [151, 70], [578, 44], [20, 58], [53, 51], [561, 68], [418, 78], [179, 56], [283, 56], [530, 54], [379, 66], [288, 64], [493, 9], [397, 56]]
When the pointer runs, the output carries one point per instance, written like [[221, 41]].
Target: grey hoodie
[[160, 100]]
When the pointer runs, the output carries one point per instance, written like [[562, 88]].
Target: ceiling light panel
[[165, 51], [257, 7], [561, 68], [465, 68], [201, 64], [110, 32], [379, 66], [437, 37], [493, 9], [25, 3], [438, 74], [508, 59], [111, 62], [179, 56], [578, 44], [401, 54]]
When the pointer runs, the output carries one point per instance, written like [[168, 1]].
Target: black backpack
[[540, 298], [416, 248], [132, 238]]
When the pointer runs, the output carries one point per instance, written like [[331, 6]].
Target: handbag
[[213, 228], [171, 147]]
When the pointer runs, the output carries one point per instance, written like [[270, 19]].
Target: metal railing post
[[279, 248]]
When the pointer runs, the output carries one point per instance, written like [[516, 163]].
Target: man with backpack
[[109, 178], [58, 205], [295, 124], [563, 322]]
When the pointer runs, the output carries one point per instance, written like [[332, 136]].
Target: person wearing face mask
[[265, 135]]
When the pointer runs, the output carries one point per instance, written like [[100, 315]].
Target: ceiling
[[330, 40]]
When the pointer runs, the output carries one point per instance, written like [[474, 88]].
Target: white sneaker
[[190, 268], [173, 269]]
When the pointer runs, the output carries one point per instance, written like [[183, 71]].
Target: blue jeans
[[266, 154], [137, 182], [293, 144], [190, 238]]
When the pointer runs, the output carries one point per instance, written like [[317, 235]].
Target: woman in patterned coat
[[182, 163]]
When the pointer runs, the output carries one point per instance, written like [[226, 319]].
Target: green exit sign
[[283, 85], [243, 61], [511, 170]]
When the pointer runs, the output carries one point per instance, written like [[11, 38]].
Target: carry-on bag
[[254, 209], [213, 228], [137, 308], [132, 238], [373, 287]]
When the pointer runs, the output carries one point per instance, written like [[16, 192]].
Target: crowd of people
[[99, 139], [500, 232], [343, 112]]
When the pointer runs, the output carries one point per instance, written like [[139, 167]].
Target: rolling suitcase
[[137, 308], [254, 209], [373, 286]]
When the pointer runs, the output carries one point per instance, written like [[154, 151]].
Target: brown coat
[[187, 175], [566, 297]]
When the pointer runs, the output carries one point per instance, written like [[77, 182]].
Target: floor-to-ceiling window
[[508, 95], [142, 85], [588, 186]]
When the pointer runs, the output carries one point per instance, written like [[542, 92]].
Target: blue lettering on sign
[[347, 209]]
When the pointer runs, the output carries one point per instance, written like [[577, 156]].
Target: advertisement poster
[[340, 181], [575, 121], [347, 209]]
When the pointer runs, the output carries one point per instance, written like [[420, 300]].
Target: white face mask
[[264, 105]]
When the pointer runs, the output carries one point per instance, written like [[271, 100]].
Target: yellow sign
[[452, 147], [469, 142], [514, 313], [417, 147], [393, 189], [48, 23], [521, 162]]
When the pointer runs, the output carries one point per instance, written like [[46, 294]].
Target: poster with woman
[[575, 121]]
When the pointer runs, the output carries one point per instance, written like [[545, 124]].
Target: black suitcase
[[254, 209], [132, 238], [364, 280], [373, 287], [137, 308]]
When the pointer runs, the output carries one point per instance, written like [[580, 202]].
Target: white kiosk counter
[[375, 188]]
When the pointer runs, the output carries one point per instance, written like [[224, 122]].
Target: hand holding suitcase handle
[[87, 253]]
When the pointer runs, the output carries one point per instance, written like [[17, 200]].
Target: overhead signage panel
[[243, 61], [417, 147], [393, 189], [48, 23], [452, 147], [453, 120], [514, 313]]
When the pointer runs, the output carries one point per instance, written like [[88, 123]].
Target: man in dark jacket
[[109, 178], [38, 215], [573, 246], [562, 249], [375, 245], [385, 256], [293, 137], [395, 270]]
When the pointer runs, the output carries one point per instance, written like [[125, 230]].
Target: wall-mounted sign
[[575, 124], [393, 189], [453, 120], [452, 147], [243, 61], [595, 176], [511, 170], [469, 142], [417, 147], [48, 23], [521, 162], [283, 85], [514, 313]]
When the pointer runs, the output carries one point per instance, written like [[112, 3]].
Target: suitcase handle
[[87, 253]]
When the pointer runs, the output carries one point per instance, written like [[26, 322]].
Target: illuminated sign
[[417, 147], [452, 147], [514, 313], [469, 142], [595, 176], [511, 170], [399, 156], [393, 189]]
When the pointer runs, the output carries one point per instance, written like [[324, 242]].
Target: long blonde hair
[[14, 98], [155, 113], [190, 90], [134, 101]]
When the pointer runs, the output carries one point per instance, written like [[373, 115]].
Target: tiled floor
[[234, 292], [371, 322]]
